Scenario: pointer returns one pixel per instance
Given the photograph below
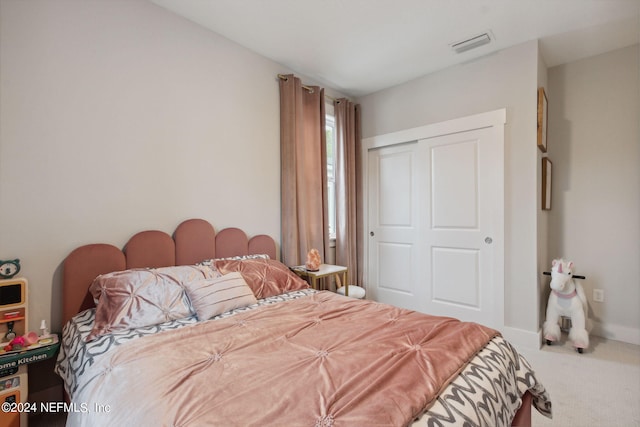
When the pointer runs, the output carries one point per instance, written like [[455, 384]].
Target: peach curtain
[[304, 171], [349, 232]]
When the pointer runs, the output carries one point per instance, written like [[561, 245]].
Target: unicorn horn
[[560, 267]]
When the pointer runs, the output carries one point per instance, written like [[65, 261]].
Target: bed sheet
[[487, 392]]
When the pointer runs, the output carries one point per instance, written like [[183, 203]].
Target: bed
[[208, 328]]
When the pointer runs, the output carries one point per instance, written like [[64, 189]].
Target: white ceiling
[[361, 46]]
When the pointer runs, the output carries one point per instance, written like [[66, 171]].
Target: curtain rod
[[308, 88]]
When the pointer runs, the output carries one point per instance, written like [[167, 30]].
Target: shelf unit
[[14, 315]]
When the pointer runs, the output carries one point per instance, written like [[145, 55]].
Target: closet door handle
[[371, 233], [488, 240]]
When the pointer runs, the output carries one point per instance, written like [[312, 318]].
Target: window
[[330, 127]]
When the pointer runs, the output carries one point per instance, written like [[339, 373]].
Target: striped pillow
[[210, 297]]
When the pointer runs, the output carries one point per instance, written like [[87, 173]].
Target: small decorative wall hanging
[[546, 183], [542, 120]]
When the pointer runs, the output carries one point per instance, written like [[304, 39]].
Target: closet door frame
[[495, 120]]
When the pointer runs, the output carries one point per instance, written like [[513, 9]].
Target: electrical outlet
[[598, 295]]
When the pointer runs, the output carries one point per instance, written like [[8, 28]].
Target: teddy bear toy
[[567, 299]]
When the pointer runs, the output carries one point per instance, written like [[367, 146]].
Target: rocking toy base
[[578, 349]]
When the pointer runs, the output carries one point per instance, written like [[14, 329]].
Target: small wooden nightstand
[[325, 270]]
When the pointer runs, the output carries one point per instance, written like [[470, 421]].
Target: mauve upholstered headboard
[[193, 241]]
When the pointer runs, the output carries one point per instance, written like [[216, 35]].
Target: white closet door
[[463, 223], [436, 225], [394, 215]]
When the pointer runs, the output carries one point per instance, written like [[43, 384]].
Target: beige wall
[[508, 78], [594, 143], [544, 261], [118, 116]]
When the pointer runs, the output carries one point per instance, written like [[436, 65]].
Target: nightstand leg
[[346, 289]]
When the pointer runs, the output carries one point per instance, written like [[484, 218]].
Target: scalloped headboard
[[193, 241]]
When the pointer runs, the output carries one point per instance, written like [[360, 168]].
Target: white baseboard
[[533, 340], [616, 332], [522, 338]]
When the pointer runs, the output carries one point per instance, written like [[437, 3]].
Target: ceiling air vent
[[471, 43]]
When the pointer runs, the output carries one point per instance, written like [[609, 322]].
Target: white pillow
[[210, 297]]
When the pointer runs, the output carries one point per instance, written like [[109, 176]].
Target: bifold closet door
[[436, 221]]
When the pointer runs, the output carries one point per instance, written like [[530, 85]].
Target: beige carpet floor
[[598, 388]]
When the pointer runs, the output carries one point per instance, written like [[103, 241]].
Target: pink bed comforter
[[322, 360]]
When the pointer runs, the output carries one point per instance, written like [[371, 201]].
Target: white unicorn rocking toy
[[567, 299]]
